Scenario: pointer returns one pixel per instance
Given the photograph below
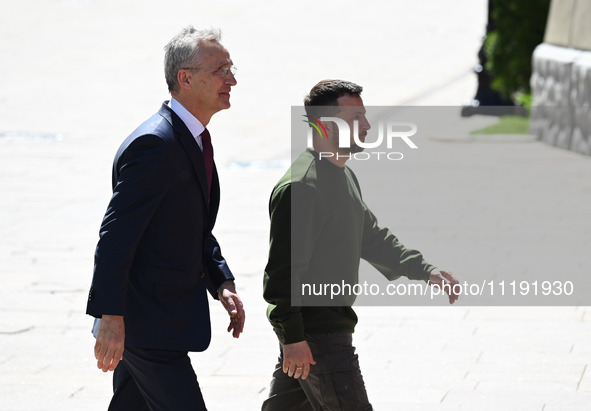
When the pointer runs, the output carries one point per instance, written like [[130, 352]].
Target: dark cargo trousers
[[334, 383]]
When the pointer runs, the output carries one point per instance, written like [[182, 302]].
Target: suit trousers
[[155, 380], [335, 383]]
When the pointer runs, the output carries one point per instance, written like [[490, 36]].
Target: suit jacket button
[[91, 294], [202, 275]]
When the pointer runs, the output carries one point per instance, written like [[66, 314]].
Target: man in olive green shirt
[[320, 229]]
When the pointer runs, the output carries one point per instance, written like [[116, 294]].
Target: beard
[[350, 150], [354, 148]]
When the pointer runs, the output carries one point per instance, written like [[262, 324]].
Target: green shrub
[[519, 27]]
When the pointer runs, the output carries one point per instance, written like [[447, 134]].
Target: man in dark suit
[[156, 256]]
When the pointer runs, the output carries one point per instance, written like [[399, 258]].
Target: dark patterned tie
[[208, 157]]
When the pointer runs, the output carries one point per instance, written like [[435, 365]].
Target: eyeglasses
[[221, 72]]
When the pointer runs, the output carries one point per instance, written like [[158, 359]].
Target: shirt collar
[[194, 125]]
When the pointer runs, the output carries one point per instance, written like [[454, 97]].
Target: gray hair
[[184, 51]]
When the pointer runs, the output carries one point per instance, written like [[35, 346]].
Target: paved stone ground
[[71, 67]]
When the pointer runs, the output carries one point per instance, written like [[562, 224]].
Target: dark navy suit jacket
[[156, 255]]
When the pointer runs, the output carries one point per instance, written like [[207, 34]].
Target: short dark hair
[[326, 93]]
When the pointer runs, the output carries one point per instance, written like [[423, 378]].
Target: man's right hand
[[446, 281], [108, 349], [297, 358]]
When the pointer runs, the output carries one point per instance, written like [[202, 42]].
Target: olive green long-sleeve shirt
[[320, 229]]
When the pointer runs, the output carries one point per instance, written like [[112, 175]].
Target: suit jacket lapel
[[190, 146]]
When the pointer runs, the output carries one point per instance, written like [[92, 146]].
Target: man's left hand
[[233, 305], [446, 280]]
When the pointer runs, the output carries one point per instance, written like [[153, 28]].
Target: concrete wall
[[568, 24], [561, 78]]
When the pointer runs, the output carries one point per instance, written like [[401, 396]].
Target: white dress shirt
[[194, 125]]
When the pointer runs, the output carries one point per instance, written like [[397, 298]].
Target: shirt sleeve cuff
[[292, 330]]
